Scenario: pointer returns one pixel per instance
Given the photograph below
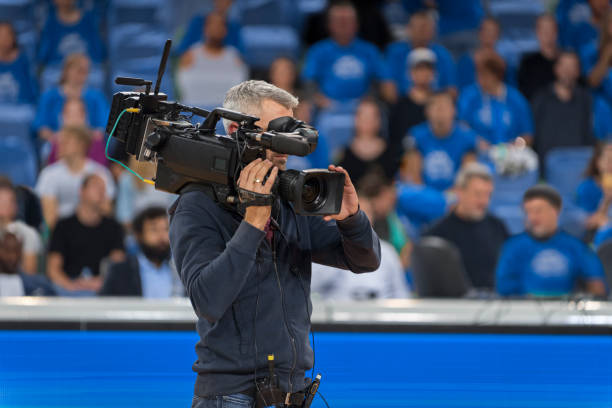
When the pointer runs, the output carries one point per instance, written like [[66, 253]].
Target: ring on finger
[[257, 180]]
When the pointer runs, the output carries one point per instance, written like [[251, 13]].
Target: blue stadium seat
[[337, 124], [133, 41], [512, 216], [565, 168], [17, 160], [268, 12], [509, 190], [15, 120], [264, 43], [153, 13], [573, 219]]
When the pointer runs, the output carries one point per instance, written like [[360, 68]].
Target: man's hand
[[350, 202], [252, 179]]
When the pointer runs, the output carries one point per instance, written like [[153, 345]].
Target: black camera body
[[151, 128]]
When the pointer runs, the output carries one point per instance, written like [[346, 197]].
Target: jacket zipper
[[289, 332]]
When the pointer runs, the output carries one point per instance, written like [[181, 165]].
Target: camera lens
[[314, 194]]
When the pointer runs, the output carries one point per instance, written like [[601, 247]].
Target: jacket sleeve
[[348, 244], [212, 271]]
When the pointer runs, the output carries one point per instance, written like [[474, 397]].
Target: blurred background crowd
[[478, 134]]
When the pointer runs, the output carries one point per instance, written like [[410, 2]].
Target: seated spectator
[[194, 33], [409, 110], [597, 60], [59, 183], [27, 235], [81, 241], [14, 282], [477, 234], [562, 111], [134, 195], [387, 282], [543, 260], [343, 67], [488, 36], [536, 69], [368, 148], [207, 70], [150, 274], [72, 85], [497, 112], [69, 30], [422, 31], [17, 83], [594, 193], [575, 36], [439, 147]]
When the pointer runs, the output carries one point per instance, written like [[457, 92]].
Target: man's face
[[567, 69], [154, 239], [422, 31], [546, 31], [441, 111], [8, 206], [367, 118], [10, 254], [542, 218], [94, 193], [422, 75], [474, 198], [342, 24], [69, 145], [215, 29], [488, 34], [271, 110]]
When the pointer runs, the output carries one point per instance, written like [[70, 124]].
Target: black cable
[[323, 398]]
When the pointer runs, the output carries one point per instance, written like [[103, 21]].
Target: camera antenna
[[162, 65]]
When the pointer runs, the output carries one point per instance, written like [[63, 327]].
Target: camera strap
[[251, 198]]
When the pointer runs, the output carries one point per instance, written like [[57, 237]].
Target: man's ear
[[232, 128]]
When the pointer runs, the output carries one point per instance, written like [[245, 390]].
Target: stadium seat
[[153, 13], [264, 43], [438, 270], [337, 124], [133, 41], [268, 12], [17, 160], [573, 219], [512, 216], [565, 168], [510, 189], [15, 120]]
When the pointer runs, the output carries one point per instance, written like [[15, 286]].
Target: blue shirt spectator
[[16, 80], [343, 67], [454, 15], [497, 112], [195, 33], [422, 32], [543, 261], [589, 195], [442, 155], [602, 119], [69, 30], [579, 21]]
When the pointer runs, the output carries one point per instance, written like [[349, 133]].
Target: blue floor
[[152, 369]]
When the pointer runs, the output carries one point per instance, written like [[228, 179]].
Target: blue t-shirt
[[588, 195], [399, 66], [17, 84], [442, 157], [589, 55], [454, 15], [569, 14], [529, 266], [51, 103], [344, 73], [59, 40], [602, 119], [497, 120], [603, 234], [195, 33], [466, 71], [420, 204]]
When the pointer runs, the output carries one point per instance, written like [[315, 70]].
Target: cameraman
[[248, 282]]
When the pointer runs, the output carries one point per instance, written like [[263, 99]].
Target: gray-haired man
[[249, 283]]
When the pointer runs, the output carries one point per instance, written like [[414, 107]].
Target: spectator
[[409, 111], [602, 119], [496, 111], [441, 145], [594, 193], [133, 195], [207, 70], [283, 74], [562, 111], [598, 60], [72, 85], [149, 274], [16, 81], [27, 235], [477, 234], [488, 36], [59, 183], [422, 30], [544, 261], [575, 36], [368, 148], [194, 33], [342, 67], [67, 31], [388, 281], [536, 69], [81, 241], [13, 282]]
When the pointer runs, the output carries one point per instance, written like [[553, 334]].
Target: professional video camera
[[151, 128]]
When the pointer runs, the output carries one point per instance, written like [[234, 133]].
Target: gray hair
[[246, 97], [470, 171]]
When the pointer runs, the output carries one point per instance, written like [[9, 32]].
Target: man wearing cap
[[544, 261]]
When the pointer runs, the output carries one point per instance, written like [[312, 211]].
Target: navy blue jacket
[[252, 298]]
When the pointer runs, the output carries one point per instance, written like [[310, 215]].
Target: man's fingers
[[270, 181], [252, 171], [245, 173], [260, 172], [338, 169]]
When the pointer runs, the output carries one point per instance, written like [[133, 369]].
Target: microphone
[[282, 144]]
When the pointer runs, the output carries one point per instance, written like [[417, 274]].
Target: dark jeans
[[226, 401]]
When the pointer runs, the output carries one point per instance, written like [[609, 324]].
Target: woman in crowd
[[594, 194]]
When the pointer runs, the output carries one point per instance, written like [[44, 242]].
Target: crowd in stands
[[504, 156]]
